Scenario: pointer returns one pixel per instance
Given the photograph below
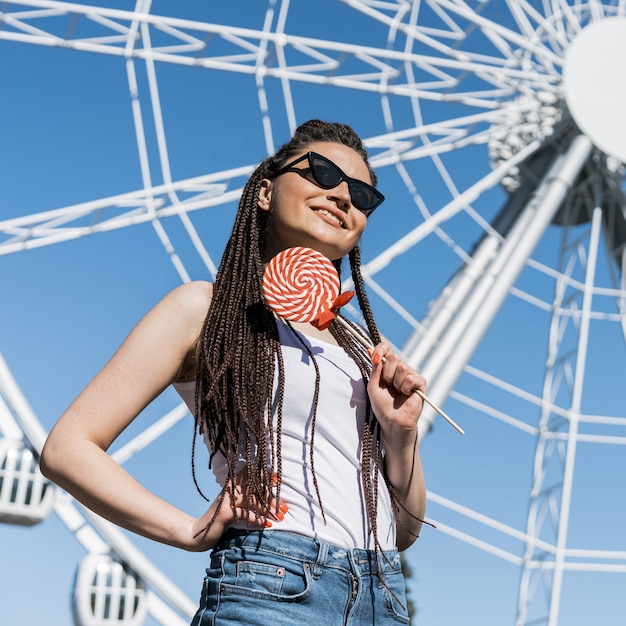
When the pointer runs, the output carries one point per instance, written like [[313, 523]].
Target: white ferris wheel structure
[[498, 132]]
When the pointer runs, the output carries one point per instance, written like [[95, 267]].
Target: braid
[[396, 501], [361, 294], [235, 366]]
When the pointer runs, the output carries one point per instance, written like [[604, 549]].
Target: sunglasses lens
[[325, 173], [362, 197]]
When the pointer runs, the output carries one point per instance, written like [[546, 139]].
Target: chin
[[330, 249], [332, 253]]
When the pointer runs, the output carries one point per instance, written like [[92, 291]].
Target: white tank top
[[337, 456]]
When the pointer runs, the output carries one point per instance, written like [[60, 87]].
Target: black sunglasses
[[327, 175]]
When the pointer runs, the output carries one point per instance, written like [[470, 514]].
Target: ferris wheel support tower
[[570, 192]]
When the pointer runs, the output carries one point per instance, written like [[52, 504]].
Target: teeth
[[329, 214]]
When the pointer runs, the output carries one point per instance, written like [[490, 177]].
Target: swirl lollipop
[[302, 285]]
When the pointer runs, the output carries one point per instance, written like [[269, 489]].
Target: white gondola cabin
[[107, 592], [26, 497]]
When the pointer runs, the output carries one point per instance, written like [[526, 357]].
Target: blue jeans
[[278, 578]]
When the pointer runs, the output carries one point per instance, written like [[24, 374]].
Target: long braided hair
[[239, 350]]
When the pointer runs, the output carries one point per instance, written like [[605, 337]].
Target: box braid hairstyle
[[239, 349]]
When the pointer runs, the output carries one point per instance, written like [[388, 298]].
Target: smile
[[331, 216]]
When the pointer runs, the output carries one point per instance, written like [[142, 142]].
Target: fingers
[[246, 506], [263, 518], [391, 371]]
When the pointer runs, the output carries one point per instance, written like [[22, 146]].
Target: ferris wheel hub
[[595, 87]]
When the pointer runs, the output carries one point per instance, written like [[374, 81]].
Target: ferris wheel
[[497, 266]]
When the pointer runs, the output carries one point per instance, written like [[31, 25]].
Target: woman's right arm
[[75, 454]]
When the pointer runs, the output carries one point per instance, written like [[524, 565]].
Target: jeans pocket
[[394, 590], [269, 575]]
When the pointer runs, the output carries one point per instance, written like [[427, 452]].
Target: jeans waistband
[[316, 552]]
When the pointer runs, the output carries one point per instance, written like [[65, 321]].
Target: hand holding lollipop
[[302, 285]]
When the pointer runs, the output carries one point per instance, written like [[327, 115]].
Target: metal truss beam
[[267, 53], [458, 320]]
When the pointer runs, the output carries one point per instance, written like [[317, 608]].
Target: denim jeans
[[278, 578]]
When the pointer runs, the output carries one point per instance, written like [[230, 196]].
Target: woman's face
[[301, 213]]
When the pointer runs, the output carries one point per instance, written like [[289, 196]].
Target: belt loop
[[322, 553]]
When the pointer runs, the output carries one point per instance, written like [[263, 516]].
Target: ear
[[265, 195]]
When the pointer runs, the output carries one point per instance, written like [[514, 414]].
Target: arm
[[75, 456], [397, 409]]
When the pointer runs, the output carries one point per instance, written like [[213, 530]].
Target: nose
[[340, 195]]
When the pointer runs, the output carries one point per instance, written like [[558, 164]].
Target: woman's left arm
[[397, 408]]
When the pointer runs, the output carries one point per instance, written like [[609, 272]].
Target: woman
[[290, 413]]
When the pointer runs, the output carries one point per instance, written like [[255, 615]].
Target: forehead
[[348, 160]]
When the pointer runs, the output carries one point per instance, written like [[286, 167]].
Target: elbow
[[46, 462], [51, 461], [407, 539], [66, 457]]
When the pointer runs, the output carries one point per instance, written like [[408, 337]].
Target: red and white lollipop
[[302, 285]]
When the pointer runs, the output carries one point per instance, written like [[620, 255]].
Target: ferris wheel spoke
[[488, 26], [411, 28], [427, 36], [545, 25], [495, 38], [376, 8], [284, 82], [597, 10], [157, 114], [520, 11], [446, 212], [150, 434], [567, 19], [162, 612], [401, 142], [391, 301], [55, 226], [448, 141], [140, 135]]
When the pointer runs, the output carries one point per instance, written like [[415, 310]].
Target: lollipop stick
[[368, 345], [448, 419]]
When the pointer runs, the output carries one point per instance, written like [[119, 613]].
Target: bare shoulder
[[168, 333], [187, 307], [189, 302]]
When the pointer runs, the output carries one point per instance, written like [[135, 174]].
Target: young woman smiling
[[312, 439]]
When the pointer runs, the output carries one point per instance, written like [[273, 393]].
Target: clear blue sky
[[68, 137]]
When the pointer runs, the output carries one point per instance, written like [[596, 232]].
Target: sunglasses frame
[[304, 173]]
